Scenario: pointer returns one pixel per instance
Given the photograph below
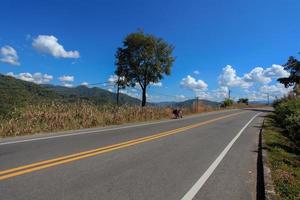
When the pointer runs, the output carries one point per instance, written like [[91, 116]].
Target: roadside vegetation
[[283, 159], [57, 116], [282, 136]]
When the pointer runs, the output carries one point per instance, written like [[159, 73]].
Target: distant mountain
[[96, 95], [18, 93], [258, 102], [15, 92], [188, 103]]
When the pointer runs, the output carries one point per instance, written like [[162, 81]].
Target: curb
[[270, 193]]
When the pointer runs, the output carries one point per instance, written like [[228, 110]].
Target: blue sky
[[76, 40]]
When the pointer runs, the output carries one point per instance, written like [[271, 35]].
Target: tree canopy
[[292, 66], [142, 60], [243, 100]]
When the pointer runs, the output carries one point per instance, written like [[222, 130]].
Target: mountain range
[[15, 92]]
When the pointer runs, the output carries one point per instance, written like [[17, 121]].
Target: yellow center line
[[9, 173]]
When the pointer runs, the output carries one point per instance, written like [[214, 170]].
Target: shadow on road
[[268, 109], [260, 183]]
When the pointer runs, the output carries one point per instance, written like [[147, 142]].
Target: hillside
[[188, 103], [18, 93], [96, 95]]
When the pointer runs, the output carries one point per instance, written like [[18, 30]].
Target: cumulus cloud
[[191, 83], [84, 84], [229, 78], [9, 55], [112, 79], [67, 84], [257, 75], [275, 90], [158, 84], [220, 93], [180, 97], [66, 80], [276, 71], [37, 77], [48, 44], [129, 92], [260, 75]]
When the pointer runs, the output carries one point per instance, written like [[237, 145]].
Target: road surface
[[207, 156]]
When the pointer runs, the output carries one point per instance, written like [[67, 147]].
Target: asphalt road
[[208, 156]]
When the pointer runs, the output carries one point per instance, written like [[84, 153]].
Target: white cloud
[[112, 79], [196, 72], [84, 84], [37, 77], [180, 97], [66, 78], [67, 84], [220, 94], [191, 83], [9, 55], [276, 71], [257, 75], [260, 75], [228, 78], [158, 84], [49, 44], [275, 90], [129, 93], [203, 95]]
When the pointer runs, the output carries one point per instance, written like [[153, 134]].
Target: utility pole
[[197, 104], [229, 91], [268, 98], [118, 90]]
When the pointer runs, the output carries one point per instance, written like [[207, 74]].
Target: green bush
[[227, 102], [288, 116]]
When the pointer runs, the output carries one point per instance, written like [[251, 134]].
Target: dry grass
[[58, 116]]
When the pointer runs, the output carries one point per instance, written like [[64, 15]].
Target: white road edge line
[[103, 130], [201, 181]]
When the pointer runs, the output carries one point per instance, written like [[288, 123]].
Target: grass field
[[284, 160]]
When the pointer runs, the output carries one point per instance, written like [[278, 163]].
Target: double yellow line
[[9, 173]]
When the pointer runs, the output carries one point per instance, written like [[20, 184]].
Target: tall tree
[[292, 66], [121, 81], [243, 100], [144, 59]]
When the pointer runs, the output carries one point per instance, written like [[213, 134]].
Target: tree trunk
[[144, 98], [118, 95]]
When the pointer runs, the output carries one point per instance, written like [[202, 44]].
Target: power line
[[101, 84]]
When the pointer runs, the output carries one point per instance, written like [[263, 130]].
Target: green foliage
[[283, 159], [94, 95], [142, 60], [227, 102], [288, 116], [243, 100], [16, 93], [292, 66]]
